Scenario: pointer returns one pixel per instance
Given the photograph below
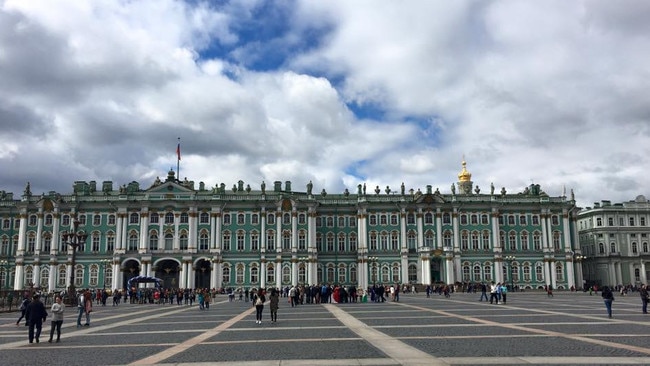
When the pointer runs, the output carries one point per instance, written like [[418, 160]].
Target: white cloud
[[553, 93]]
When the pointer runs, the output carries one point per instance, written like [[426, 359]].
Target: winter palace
[[247, 236]]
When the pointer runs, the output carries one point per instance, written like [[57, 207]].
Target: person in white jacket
[[57, 318]]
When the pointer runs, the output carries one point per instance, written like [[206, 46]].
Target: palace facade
[[614, 239], [245, 237]]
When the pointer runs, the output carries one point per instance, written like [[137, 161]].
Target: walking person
[[483, 292], [643, 292], [36, 315], [608, 297], [493, 294], [57, 318], [504, 293], [274, 304], [258, 300], [23, 307]]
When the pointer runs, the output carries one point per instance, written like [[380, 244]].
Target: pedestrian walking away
[[608, 297], [643, 292], [274, 304], [36, 315], [57, 319], [23, 307]]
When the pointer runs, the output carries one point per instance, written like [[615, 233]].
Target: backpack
[[258, 301]]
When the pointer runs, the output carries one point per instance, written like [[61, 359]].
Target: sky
[[334, 92]]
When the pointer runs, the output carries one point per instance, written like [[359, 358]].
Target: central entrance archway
[[202, 273], [168, 271]]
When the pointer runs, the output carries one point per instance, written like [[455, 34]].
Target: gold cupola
[[464, 175]]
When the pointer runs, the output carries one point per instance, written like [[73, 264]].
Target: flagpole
[[178, 160]]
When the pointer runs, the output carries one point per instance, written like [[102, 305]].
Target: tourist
[[36, 315], [258, 301], [274, 304], [643, 292], [608, 297], [23, 307], [57, 318]]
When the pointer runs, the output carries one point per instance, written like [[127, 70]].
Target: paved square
[[570, 328]]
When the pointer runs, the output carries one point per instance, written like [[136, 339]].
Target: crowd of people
[[35, 313]]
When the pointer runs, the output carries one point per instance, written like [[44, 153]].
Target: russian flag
[[178, 151]]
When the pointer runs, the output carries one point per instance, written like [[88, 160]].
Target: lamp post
[[373, 261], [510, 259], [4, 263], [105, 263], [74, 240]]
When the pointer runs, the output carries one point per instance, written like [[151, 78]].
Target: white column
[[547, 273], [619, 275], [37, 275], [449, 269], [263, 274], [193, 227], [191, 275], [214, 278], [177, 234], [278, 273], [182, 277], [644, 279], [420, 228], [213, 231], [39, 237], [294, 231], [570, 274], [56, 240], [438, 229], [51, 282], [551, 265], [144, 230]]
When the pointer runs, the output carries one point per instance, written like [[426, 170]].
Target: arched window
[[396, 273], [342, 273], [477, 273], [94, 275], [487, 270], [559, 271], [286, 275], [134, 218], [169, 241], [270, 273], [204, 241], [153, 241], [133, 241], [62, 276], [184, 218], [79, 275], [239, 274], [353, 273], [45, 277], [539, 272], [184, 241], [225, 273], [255, 274], [169, 218], [466, 273]]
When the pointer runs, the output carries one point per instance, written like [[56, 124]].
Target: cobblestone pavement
[[531, 329]]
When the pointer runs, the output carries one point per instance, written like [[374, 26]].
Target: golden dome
[[464, 175]]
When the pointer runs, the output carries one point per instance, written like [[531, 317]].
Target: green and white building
[[249, 237], [614, 240]]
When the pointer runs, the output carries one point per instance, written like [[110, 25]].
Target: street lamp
[[4, 263], [510, 259], [373, 261], [74, 240], [105, 263]]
